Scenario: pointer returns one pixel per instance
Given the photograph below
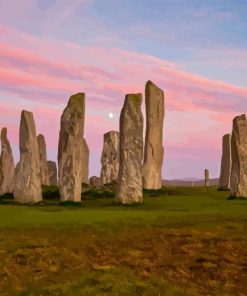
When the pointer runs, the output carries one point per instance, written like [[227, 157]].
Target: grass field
[[180, 241]]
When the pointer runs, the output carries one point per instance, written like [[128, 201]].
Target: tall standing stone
[[7, 165], [226, 160], [52, 171], [238, 185], [27, 176], [154, 151], [206, 180], [85, 162], [70, 149], [129, 188], [110, 158], [43, 160]]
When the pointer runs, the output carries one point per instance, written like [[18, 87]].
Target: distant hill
[[186, 182], [187, 179]]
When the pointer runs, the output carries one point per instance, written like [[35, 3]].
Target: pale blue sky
[[52, 48]]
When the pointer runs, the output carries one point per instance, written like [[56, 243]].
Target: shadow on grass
[[50, 192], [70, 204], [164, 191], [96, 193], [222, 189], [232, 197], [104, 197]]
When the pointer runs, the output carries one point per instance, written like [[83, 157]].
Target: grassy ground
[[180, 241]]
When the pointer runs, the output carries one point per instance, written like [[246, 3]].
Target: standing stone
[[225, 173], [27, 176], [7, 165], [110, 158], [52, 171], [238, 185], [1, 175], [95, 181], [206, 174], [85, 162], [129, 188], [43, 160], [154, 151], [70, 149]]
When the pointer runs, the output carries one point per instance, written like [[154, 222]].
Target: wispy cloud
[[41, 77]]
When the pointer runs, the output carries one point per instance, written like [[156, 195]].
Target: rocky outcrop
[[7, 166], [85, 162], [206, 180], [110, 158], [238, 183], [71, 148], [95, 181], [226, 160], [43, 160], [129, 188], [52, 172], [27, 176], [154, 151]]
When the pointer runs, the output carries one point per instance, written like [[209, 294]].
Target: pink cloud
[[34, 63], [42, 73], [15, 77], [129, 71], [2, 30]]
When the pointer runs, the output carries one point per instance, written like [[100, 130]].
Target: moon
[[110, 115]]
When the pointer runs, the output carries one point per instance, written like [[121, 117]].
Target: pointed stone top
[[111, 133], [25, 112], [4, 138], [226, 137], [134, 100], [149, 83], [27, 129], [76, 99], [238, 118], [27, 116], [41, 138], [3, 133], [151, 86]]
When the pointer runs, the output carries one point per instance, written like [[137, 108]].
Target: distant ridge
[[186, 179], [190, 183]]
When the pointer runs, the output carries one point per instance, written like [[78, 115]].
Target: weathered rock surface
[[238, 184], [96, 181], [71, 148], [7, 166], [27, 175], [129, 189], [226, 161], [52, 171], [206, 174], [85, 162], [43, 160], [110, 158], [154, 151]]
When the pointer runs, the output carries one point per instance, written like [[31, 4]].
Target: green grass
[[169, 245], [172, 204]]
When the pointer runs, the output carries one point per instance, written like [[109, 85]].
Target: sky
[[196, 51]]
